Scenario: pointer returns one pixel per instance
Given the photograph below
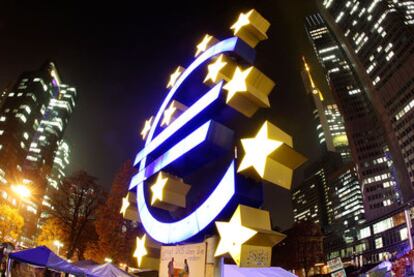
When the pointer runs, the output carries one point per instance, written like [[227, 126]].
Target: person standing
[[186, 268], [171, 268]]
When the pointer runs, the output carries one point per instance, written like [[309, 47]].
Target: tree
[[115, 234], [74, 205], [11, 223], [52, 230], [302, 248]]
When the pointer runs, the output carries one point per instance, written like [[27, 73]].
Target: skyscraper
[[366, 134], [328, 121], [59, 170], [33, 118]]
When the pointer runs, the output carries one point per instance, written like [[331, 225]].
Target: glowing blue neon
[[185, 145], [193, 223], [206, 100], [220, 47], [205, 214]]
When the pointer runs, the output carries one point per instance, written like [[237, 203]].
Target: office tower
[[366, 134], [33, 117], [311, 200], [378, 38], [328, 121], [58, 172], [40, 158]]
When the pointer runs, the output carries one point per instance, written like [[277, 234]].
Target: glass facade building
[[33, 117], [365, 133]]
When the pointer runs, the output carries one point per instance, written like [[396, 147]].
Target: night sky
[[119, 56]]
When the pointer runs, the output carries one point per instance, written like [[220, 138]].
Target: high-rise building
[[33, 117], [40, 158], [378, 39], [311, 200], [328, 121], [365, 133]]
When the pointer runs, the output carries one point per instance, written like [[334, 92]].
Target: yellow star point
[[243, 20], [237, 83], [214, 69], [140, 250], [202, 46], [232, 236], [147, 128], [257, 150], [168, 113], [158, 188], [174, 77], [125, 205]]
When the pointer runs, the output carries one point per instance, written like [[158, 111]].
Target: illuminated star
[[158, 188], [214, 69], [174, 76], [257, 149], [125, 205], [237, 83], [202, 46], [243, 20], [147, 128], [168, 113], [140, 250], [232, 236]]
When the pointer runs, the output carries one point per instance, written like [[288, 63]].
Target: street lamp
[[108, 260], [58, 244], [21, 190]]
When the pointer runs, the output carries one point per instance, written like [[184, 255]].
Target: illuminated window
[[404, 233], [364, 233], [378, 243], [383, 225]]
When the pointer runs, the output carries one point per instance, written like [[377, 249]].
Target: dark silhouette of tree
[[302, 248], [75, 204], [115, 234]]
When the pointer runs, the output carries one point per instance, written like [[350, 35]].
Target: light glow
[[188, 143], [174, 77], [202, 46], [237, 83], [257, 150], [158, 188], [21, 190], [140, 250], [193, 223], [243, 20], [147, 127], [214, 69], [168, 114], [232, 236], [125, 205]]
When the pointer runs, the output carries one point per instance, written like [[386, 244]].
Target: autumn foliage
[[11, 223]]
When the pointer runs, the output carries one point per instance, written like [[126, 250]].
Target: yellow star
[[214, 69], [158, 188], [174, 76], [147, 128], [168, 113], [237, 83], [243, 20], [125, 205], [202, 46], [140, 250], [257, 149], [232, 236]]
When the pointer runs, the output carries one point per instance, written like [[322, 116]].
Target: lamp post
[[58, 244], [22, 192]]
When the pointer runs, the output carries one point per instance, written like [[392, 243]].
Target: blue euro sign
[[192, 224]]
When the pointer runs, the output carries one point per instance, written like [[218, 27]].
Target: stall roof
[[44, 257]]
